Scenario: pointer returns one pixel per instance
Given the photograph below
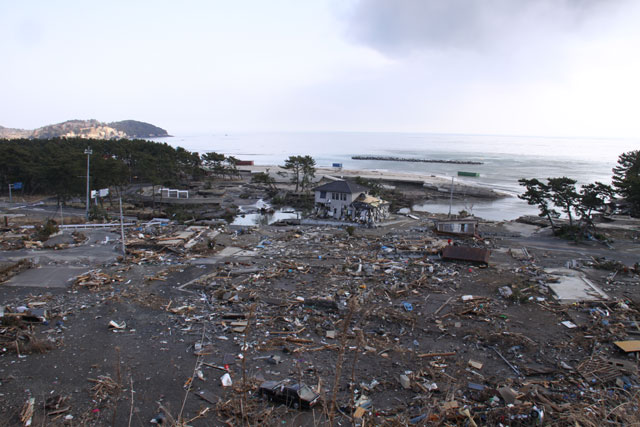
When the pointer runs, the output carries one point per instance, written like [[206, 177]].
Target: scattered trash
[[226, 380], [569, 324], [290, 392], [115, 325], [405, 381], [474, 364], [508, 394], [475, 386], [158, 419], [505, 291], [359, 412], [293, 300], [452, 404]]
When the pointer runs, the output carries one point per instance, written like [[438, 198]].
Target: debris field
[[186, 327]]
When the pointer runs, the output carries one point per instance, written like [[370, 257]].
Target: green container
[[476, 174]]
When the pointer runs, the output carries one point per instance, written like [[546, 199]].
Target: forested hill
[[135, 129], [89, 129]]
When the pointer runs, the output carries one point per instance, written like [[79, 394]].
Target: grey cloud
[[396, 27]]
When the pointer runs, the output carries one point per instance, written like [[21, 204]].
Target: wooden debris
[[442, 306], [95, 279], [630, 346], [26, 414], [475, 364], [359, 412], [104, 387], [452, 404]]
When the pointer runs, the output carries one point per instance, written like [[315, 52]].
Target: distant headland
[[90, 129]]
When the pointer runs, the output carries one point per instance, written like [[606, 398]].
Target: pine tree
[[538, 194], [626, 179]]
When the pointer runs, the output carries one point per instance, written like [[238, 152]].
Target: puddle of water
[[504, 209], [251, 219]]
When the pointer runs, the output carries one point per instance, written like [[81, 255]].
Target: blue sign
[[16, 185]]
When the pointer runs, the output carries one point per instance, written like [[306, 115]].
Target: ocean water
[[505, 158]]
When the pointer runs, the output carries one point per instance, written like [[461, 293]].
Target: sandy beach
[[432, 182]]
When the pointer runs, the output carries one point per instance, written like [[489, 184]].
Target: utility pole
[[450, 197], [88, 152], [124, 250]]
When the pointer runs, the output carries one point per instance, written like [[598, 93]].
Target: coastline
[[435, 183]]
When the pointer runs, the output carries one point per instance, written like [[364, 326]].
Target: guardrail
[[73, 226]]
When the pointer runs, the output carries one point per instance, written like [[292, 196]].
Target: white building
[[347, 200], [334, 198]]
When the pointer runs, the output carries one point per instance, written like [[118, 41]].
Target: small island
[[89, 129]]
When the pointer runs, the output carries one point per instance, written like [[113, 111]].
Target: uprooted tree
[[561, 193]]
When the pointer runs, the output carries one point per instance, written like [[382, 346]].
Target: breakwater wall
[[410, 159]]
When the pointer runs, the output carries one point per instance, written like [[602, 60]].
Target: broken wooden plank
[[442, 306], [629, 346]]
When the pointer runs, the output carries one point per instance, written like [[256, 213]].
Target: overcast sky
[[543, 67]]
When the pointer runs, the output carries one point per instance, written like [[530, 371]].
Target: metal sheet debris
[[465, 253]]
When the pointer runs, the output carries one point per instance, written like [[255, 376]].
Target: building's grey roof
[[342, 187]]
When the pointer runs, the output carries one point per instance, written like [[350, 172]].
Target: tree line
[[58, 166], [301, 168], [220, 165], [580, 205]]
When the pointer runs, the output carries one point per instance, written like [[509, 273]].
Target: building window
[[323, 194]]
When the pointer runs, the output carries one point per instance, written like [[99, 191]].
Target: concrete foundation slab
[[228, 252], [46, 277], [573, 286]]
